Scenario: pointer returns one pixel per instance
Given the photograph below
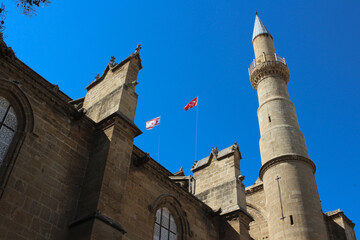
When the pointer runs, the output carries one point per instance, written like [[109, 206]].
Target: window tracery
[[8, 127], [165, 226]]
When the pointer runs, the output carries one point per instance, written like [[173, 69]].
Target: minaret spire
[[259, 27]]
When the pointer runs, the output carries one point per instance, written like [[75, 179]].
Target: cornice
[[339, 214], [266, 69], [28, 80], [282, 159], [119, 117], [239, 213], [253, 189]]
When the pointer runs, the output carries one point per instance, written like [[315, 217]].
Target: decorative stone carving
[[268, 68], [56, 88], [112, 62], [241, 178], [215, 151], [138, 161], [138, 48], [235, 146]]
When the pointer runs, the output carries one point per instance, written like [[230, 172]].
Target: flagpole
[[159, 148], [196, 130], [159, 143]]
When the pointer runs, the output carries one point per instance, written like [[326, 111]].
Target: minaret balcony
[[267, 65], [265, 58]]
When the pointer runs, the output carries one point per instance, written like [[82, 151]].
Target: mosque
[[69, 168]]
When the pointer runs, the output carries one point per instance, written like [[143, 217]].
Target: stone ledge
[[120, 117], [98, 215], [282, 159], [235, 213]]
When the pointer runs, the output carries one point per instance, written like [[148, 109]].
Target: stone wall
[[339, 226], [217, 181], [148, 189], [114, 91], [42, 189], [255, 200]]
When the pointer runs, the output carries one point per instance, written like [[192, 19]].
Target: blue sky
[[203, 48]]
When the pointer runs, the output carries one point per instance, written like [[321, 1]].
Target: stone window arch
[[16, 121], [171, 209]]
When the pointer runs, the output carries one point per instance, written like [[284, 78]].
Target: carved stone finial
[[235, 146], [215, 150], [97, 77], [112, 61], [138, 48], [56, 88], [138, 161]]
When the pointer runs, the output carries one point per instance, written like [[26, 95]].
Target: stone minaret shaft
[[292, 199]]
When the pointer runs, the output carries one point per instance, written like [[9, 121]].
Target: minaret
[[292, 200]]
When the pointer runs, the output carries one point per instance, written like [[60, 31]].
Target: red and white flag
[[191, 104], [152, 123]]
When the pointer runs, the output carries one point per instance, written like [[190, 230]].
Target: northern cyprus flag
[[152, 123]]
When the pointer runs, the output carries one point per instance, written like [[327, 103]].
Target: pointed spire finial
[[259, 27], [138, 48]]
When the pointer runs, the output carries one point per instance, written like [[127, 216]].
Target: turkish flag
[[191, 104]]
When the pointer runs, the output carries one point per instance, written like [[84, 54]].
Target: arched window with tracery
[[16, 123], [8, 126], [165, 226]]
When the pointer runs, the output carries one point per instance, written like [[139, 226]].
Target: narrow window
[[269, 118], [291, 220], [8, 126], [165, 227]]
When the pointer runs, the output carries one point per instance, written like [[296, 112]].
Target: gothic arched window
[[8, 126], [165, 226]]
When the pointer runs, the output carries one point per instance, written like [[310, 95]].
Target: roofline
[[122, 63]]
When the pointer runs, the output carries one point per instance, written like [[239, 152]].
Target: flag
[[152, 123], [191, 104]]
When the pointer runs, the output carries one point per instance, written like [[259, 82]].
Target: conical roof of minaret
[[259, 28]]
